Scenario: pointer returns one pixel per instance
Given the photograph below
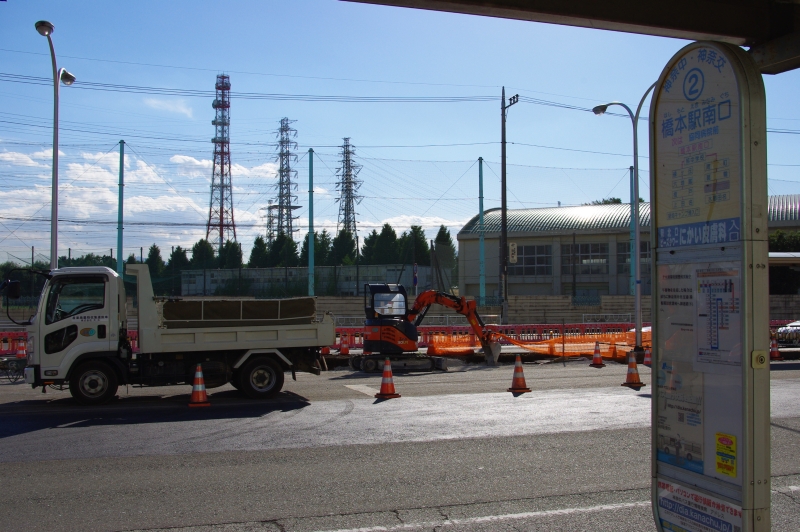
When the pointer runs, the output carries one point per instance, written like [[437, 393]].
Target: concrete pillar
[[556, 266]]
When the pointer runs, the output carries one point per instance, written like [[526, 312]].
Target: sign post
[[710, 405]]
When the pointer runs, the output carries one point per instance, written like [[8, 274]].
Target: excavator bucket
[[491, 351]]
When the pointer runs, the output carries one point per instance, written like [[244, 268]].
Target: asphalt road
[[456, 452]]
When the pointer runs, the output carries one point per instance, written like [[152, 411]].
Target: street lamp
[[637, 237], [45, 29]]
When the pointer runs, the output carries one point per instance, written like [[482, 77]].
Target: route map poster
[[719, 320]]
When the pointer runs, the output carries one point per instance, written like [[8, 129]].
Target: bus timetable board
[[710, 406]]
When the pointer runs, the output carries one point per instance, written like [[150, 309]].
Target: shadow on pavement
[[30, 416], [784, 366]]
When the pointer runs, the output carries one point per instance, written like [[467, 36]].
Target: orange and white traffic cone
[[199, 397], [518, 384], [344, 348], [774, 353], [632, 380], [22, 351], [648, 360], [597, 359], [387, 383], [613, 351]]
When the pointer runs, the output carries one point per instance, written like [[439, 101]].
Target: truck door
[[75, 321]]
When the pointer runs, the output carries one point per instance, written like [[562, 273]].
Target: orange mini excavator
[[391, 328]]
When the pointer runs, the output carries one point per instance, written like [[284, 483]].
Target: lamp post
[[45, 29], [637, 236]]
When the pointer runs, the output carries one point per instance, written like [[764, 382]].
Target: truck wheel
[[93, 383], [261, 378]]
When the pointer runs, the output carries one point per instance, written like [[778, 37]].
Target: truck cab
[[80, 316]]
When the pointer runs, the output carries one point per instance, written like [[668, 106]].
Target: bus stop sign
[[710, 404]]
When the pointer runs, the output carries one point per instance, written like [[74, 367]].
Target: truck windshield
[[390, 304], [72, 296]]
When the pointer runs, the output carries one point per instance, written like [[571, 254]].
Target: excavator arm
[[468, 308]]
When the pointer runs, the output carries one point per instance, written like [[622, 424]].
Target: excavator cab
[[387, 329]]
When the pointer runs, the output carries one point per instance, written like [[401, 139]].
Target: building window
[[587, 258], [624, 258], [533, 260]]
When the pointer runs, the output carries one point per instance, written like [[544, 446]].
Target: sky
[[418, 96]]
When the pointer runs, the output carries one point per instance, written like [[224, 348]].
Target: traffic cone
[[325, 350], [648, 361], [22, 351], [387, 383], [597, 359], [518, 382], [774, 354], [632, 380], [344, 348], [614, 352], [199, 397]]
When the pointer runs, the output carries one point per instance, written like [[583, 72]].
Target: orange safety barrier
[[10, 342], [612, 344]]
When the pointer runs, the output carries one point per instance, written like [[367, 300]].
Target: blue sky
[[317, 47]]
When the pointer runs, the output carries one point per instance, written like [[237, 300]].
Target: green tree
[[413, 247], [131, 259], [447, 256], [784, 242], [322, 247], [343, 249], [259, 255], [386, 247], [368, 248], [154, 261], [230, 256], [283, 251], [203, 255], [606, 201], [178, 261]]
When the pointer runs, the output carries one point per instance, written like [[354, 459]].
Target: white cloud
[[46, 154], [19, 159], [171, 106]]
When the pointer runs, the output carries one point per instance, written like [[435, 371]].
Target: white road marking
[[362, 388], [70, 424], [495, 518]]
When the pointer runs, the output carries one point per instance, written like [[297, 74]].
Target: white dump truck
[[79, 336]]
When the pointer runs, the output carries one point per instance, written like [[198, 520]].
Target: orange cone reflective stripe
[[199, 397], [648, 360], [518, 384], [774, 353], [387, 383], [632, 379], [597, 359]]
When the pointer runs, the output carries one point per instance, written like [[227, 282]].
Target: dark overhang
[[771, 28]]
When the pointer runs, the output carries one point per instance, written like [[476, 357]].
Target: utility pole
[[481, 231], [120, 263], [503, 284], [311, 239], [221, 224]]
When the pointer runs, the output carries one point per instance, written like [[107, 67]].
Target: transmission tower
[[271, 219], [221, 226], [286, 177], [348, 185]]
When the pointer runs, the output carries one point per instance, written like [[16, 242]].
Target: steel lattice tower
[[221, 225], [286, 178], [348, 185]]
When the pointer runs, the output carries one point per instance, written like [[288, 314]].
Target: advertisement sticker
[[682, 509]]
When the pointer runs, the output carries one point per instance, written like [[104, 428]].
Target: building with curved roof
[[581, 251]]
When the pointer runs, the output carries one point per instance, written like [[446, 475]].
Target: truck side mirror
[[14, 290]]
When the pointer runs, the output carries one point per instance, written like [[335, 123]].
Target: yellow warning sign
[[726, 454]]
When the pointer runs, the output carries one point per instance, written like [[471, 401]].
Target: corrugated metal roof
[[559, 219], [601, 217], [784, 208]]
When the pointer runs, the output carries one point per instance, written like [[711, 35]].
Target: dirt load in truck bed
[[192, 314]]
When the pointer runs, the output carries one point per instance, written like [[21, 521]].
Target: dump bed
[[171, 326]]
